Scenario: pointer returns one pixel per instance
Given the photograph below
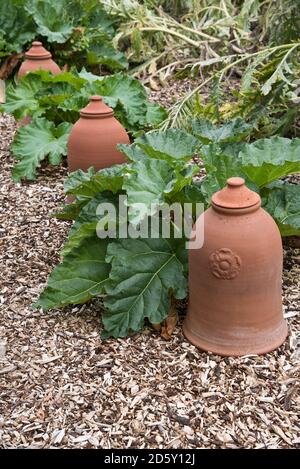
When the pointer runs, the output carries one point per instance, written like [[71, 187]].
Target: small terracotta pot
[[235, 302], [94, 137], [38, 58]]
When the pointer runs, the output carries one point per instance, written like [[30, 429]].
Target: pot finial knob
[[96, 108], [235, 182]]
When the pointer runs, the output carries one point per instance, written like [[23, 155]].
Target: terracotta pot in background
[[38, 58], [94, 137], [235, 302]]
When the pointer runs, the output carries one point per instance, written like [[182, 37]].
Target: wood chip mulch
[[61, 386]]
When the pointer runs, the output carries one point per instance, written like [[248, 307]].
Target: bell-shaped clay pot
[[235, 303], [38, 58], [94, 138]]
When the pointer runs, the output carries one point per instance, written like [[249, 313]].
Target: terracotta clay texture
[[38, 58], [94, 138], [235, 303]]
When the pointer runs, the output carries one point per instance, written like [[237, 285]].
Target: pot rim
[[37, 52], [236, 211], [92, 112], [38, 57], [235, 195], [95, 116]]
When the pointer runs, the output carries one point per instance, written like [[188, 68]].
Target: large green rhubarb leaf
[[88, 219], [90, 184], [16, 28], [75, 239], [63, 78], [173, 144], [103, 53], [21, 99], [144, 273], [76, 178], [153, 182], [183, 175], [95, 16], [269, 159], [230, 131], [126, 91], [283, 203], [145, 184], [85, 186], [155, 114], [221, 162], [51, 19], [124, 94], [34, 142], [212, 152], [132, 152], [82, 275], [39, 91], [70, 211]]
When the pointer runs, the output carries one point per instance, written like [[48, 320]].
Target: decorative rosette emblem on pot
[[225, 264]]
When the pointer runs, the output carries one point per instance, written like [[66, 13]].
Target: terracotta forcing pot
[[235, 302], [94, 137], [38, 58]]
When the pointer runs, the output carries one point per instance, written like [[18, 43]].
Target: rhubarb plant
[[138, 278]]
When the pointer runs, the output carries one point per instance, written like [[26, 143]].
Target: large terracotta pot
[[94, 137], [38, 58], [235, 302]]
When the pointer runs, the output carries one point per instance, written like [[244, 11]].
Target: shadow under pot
[[94, 138], [38, 58], [235, 297]]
